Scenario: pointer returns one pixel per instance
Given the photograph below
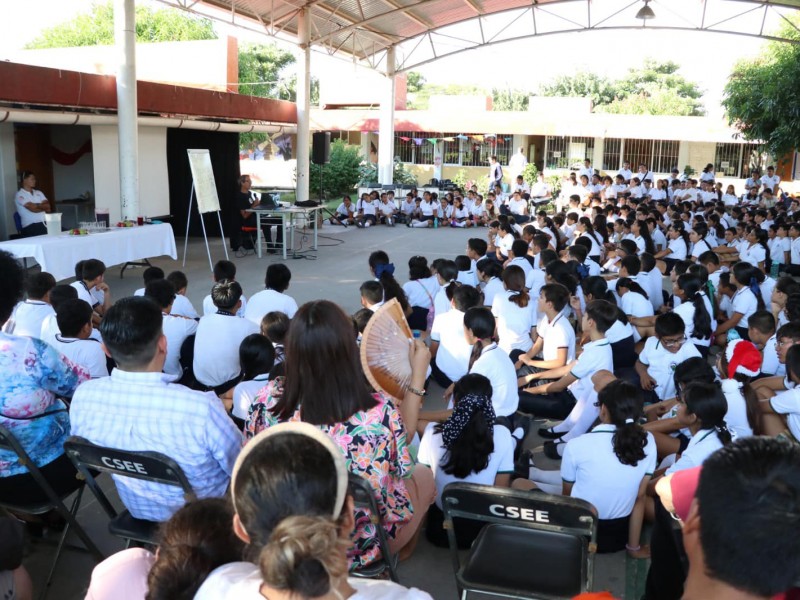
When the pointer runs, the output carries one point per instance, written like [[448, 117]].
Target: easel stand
[[205, 235]]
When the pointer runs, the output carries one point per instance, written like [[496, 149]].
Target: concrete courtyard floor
[[335, 272]]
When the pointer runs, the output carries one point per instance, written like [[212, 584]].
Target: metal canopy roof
[[422, 31]]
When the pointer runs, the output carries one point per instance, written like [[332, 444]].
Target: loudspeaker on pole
[[321, 147]]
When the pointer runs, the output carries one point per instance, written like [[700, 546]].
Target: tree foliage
[[508, 99], [422, 98], [152, 25], [655, 88], [341, 174], [261, 71], [760, 98], [414, 82]]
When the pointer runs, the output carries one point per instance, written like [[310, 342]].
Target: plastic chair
[[55, 501], [364, 497], [534, 546], [147, 466]]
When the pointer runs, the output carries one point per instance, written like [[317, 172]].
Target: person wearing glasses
[[246, 202], [661, 354]]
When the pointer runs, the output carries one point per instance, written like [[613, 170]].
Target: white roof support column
[[386, 133], [127, 109], [303, 105]]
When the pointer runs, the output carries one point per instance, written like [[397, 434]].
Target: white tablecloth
[[58, 254]]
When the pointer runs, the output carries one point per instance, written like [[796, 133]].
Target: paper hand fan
[[384, 350]]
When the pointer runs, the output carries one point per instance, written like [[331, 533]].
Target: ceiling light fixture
[[645, 12]]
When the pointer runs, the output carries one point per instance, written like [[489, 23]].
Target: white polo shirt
[[85, 294], [753, 254], [421, 292], [596, 356], [245, 392], [678, 248], [595, 250], [736, 416], [504, 243], [788, 403], [556, 334], [770, 364], [636, 305], [745, 303], [182, 307], [432, 453], [453, 354], [366, 207], [619, 331], [468, 278], [654, 281], [514, 323], [599, 477], [794, 251], [493, 287], [24, 197], [702, 445], [495, 365], [661, 364], [86, 353], [267, 301], [210, 309], [216, 347], [176, 330], [28, 317]]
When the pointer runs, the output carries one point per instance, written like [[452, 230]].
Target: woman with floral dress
[[325, 386], [32, 378]]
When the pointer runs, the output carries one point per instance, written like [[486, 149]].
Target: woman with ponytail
[[383, 271], [467, 447], [677, 246], [585, 229], [488, 360], [634, 302], [515, 314], [489, 272], [698, 239], [294, 513], [756, 251], [642, 238], [610, 466], [746, 300], [696, 312], [197, 539], [446, 275]]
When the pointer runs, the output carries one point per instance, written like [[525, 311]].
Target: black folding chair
[[147, 466], [55, 501], [534, 546], [364, 497]]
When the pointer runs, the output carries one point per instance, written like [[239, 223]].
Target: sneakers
[[360, 224], [367, 224]]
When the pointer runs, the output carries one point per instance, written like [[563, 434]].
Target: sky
[[704, 57]]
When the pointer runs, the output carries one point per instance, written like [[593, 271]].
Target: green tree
[[340, 175], [261, 71], [509, 99], [760, 98], [152, 25], [600, 89], [422, 98], [414, 82]]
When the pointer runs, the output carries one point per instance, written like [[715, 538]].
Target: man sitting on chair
[[137, 408], [246, 201]]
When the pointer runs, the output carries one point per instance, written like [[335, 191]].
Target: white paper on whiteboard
[[204, 185]]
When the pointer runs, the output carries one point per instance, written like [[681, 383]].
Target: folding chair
[[534, 546], [55, 501], [364, 497], [147, 466]]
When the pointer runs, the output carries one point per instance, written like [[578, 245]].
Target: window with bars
[[423, 154], [639, 152], [728, 160], [404, 150], [612, 161], [665, 156], [557, 156], [452, 150]]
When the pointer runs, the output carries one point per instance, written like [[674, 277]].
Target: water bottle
[[436, 222]]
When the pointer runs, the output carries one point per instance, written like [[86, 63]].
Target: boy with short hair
[[74, 318], [223, 270], [176, 328], [148, 275], [761, 330], [660, 355], [181, 306], [555, 337], [57, 296], [466, 274], [274, 327], [92, 287], [30, 314], [371, 295]]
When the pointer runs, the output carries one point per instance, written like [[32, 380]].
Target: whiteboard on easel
[[204, 185]]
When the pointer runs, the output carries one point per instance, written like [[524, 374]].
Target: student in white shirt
[[610, 467], [177, 328], [571, 383], [257, 356], [29, 314], [216, 348], [746, 300], [293, 509], [779, 244], [344, 213], [74, 319], [503, 240], [737, 367], [467, 447], [660, 356], [761, 330], [420, 290], [585, 229], [515, 313], [467, 273], [273, 297], [450, 351], [365, 211], [755, 251], [650, 274], [182, 306], [387, 211], [223, 269], [489, 272], [633, 301], [698, 238], [771, 181], [148, 275], [677, 246], [92, 288]]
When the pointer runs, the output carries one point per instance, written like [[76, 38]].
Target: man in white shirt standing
[[626, 172], [517, 163], [495, 173], [586, 169], [32, 205]]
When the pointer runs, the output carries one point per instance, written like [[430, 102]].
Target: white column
[[303, 106], [125, 37], [386, 134]]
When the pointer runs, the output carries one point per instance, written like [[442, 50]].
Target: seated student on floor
[[609, 467], [216, 347], [515, 314], [148, 275], [274, 327], [182, 306], [273, 296], [466, 447], [74, 319], [223, 269], [761, 330], [30, 314], [736, 368], [449, 349], [489, 273], [371, 295], [177, 328], [746, 300], [344, 213], [257, 357], [784, 287], [92, 288], [661, 353], [467, 274], [555, 400]]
